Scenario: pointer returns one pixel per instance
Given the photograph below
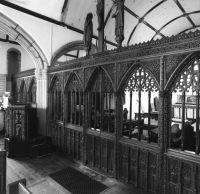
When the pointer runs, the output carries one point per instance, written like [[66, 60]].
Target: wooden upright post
[[2, 171], [100, 15]]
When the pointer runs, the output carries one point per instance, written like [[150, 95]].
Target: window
[[140, 107], [74, 101], [185, 109], [56, 100], [101, 103]]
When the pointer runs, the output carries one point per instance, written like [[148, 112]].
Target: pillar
[[41, 99]]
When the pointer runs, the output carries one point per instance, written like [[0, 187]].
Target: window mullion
[[183, 120]]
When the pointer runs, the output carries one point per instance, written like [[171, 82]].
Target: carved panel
[[122, 68], [110, 157], [110, 68], [124, 163], [154, 67], [142, 176], [97, 150], [89, 150], [133, 166], [173, 171], [153, 168], [172, 62], [104, 155], [186, 175]]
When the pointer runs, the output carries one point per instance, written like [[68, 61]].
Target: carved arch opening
[[100, 102], [139, 92], [56, 99], [184, 89], [73, 97]]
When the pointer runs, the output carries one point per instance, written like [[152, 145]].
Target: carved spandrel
[[172, 62], [88, 72], [122, 68], [110, 69], [153, 66], [80, 74]]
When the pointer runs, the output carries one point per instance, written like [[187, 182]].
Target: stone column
[[2, 171], [41, 97]]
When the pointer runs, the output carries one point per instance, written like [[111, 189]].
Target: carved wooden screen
[[185, 109], [74, 101], [56, 100], [22, 93], [101, 104], [140, 106], [32, 92]]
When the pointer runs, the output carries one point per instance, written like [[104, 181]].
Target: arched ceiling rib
[[144, 19]]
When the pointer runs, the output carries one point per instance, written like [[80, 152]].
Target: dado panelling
[[183, 176], [139, 167]]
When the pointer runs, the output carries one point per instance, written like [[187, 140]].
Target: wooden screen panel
[[198, 180], [104, 155], [97, 152], [153, 173], [173, 170], [124, 163], [89, 150], [110, 157], [142, 169], [133, 166]]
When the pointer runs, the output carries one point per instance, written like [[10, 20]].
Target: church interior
[[100, 96]]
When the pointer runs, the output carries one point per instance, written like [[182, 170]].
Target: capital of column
[[41, 74]]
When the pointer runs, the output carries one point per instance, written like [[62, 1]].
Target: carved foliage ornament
[[189, 78], [141, 80]]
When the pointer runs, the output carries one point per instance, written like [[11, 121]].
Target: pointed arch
[[127, 75], [55, 79], [73, 76], [95, 75], [73, 97], [180, 68]]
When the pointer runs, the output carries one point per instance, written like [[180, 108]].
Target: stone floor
[[36, 170]]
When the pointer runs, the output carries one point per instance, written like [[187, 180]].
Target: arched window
[[74, 101], [101, 103], [185, 109], [56, 100], [140, 106], [32, 92], [14, 62], [22, 96]]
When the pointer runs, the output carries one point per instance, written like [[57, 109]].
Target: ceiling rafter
[[70, 55], [141, 20], [149, 11], [184, 12], [64, 10], [77, 54], [108, 15], [43, 17], [184, 15]]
